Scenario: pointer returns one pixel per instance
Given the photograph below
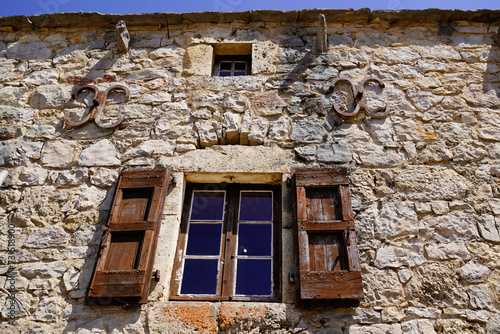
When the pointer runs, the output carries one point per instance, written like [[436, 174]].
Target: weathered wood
[[301, 204], [332, 285], [352, 251], [132, 226], [123, 251], [125, 265], [119, 277], [134, 205], [318, 177], [116, 290], [336, 225], [321, 180], [304, 256], [328, 255], [345, 196]]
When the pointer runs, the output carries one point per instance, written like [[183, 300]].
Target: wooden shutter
[[328, 253], [128, 246]]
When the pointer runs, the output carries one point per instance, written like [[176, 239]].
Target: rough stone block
[[308, 131], [32, 175], [151, 148], [58, 153], [104, 177], [479, 316], [258, 131], [199, 60], [306, 153], [394, 257], [50, 236], [102, 153], [206, 133], [29, 51], [447, 251], [376, 156], [418, 326], [48, 310], [264, 58], [489, 227], [51, 96], [72, 177], [336, 153], [479, 297]]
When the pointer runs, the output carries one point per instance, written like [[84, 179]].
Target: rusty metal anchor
[[358, 93], [97, 106], [355, 94], [381, 113]]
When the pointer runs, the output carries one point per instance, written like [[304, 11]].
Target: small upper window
[[232, 66]]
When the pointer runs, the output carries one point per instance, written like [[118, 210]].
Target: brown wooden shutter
[[128, 246], [328, 253]]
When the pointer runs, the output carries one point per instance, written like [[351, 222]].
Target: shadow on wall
[[491, 78]]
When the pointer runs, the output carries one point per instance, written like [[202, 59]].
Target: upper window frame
[[232, 58], [226, 286]]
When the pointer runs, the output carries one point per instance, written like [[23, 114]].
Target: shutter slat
[[328, 254], [345, 196], [335, 285], [304, 251], [335, 225], [126, 260], [132, 226]]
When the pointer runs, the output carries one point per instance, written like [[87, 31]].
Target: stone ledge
[[160, 19]]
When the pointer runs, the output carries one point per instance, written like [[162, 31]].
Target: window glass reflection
[[254, 239], [254, 277], [207, 206], [256, 206], [204, 239], [200, 277]]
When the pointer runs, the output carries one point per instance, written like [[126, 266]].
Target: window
[[124, 268], [328, 253], [232, 66], [229, 243]]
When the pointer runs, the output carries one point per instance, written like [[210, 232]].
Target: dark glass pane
[[226, 65], [253, 278], [254, 239], [240, 65], [204, 239], [200, 277], [256, 206], [207, 206], [224, 74], [239, 74]]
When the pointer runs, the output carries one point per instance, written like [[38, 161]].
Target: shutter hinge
[[156, 275], [347, 236], [291, 278]]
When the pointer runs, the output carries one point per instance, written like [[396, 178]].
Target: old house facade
[[313, 171]]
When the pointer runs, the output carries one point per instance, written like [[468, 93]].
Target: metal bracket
[[124, 303], [156, 275]]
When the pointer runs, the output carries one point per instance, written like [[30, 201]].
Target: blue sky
[[30, 7]]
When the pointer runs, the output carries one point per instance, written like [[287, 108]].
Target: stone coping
[[161, 19]]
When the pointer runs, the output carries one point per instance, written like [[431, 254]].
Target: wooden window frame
[[226, 280], [343, 283], [232, 58]]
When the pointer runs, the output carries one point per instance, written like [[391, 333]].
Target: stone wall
[[424, 179]]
